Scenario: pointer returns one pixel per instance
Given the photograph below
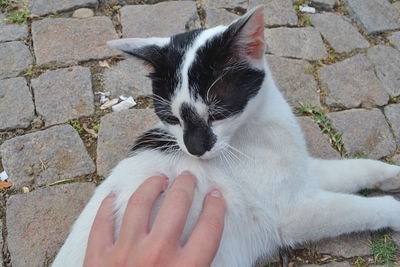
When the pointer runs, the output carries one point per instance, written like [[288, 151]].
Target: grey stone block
[[63, 94], [117, 135], [11, 32], [387, 67], [340, 34], [59, 41], [352, 83], [176, 17], [295, 82], [374, 16], [39, 222], [216, 17], [347, 246], [128, 78], [317, 143], [332, 264], [392, 113], [43, 7], [16, 104], [15, 59], [303, 43], [45, 157], [240, 5], [277, 12], [364, 131]]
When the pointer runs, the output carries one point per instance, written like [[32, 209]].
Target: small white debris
[[104, 99], [3, 176], [307, 9], [102, 93], [25, 189], [123, 97], [109, 103], [125, 104]]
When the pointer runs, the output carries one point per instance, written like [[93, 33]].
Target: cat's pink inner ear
[[251, 37]]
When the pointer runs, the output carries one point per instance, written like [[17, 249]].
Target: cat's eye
[[172, 120]]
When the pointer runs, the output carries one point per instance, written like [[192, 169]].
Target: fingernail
[[187, 173], [216, 193]]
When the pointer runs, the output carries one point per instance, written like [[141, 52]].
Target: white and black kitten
[[224, 119]]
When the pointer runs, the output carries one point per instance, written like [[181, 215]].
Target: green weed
[[384, 249], [18, 17], [77, 126], [324, 124]]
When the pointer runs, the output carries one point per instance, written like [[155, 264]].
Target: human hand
[[139, 246]]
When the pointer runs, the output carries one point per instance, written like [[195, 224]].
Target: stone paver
[[395, 38], [295, 81], [11, 32], [176, 17], [364, 131], [332, 264], [215, 16], [340, 34], [303, 43], [374, 15], [277, 12], [117, 135], [1, 243], [239, 5], [43, 7], [15, 58], [58, 41], [392, 113], [16, 105], [347, 246], [83, 13], [64, 94], [352, 83], [317, 143], [387, 67], [128, 78], [39, 222], [324, 4], [46, 156]]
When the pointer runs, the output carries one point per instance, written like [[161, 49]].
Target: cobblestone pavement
[[338, 68]]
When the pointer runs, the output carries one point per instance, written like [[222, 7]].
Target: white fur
[[276, 194]]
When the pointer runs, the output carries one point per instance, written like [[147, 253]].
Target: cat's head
[[204, 81]]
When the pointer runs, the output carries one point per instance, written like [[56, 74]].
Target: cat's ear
[[147, 49], [246, 35]]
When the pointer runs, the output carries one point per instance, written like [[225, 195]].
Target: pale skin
[[138, 245]]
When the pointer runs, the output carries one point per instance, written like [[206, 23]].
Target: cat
[[223, 118]]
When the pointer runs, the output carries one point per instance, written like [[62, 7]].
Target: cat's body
[[276, 194]]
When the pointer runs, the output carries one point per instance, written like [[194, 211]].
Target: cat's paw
[[392, 184]]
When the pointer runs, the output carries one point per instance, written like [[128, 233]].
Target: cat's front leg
[[325, 214], [352, 175]]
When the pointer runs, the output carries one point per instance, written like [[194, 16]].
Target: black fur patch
[[166, 75], [156, 139], [232, 80]]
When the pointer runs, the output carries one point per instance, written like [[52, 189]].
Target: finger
[[206, 236], [135, 222], [171, 218], [101, 235]]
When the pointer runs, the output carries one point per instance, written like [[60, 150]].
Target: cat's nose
[[198, 142]]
